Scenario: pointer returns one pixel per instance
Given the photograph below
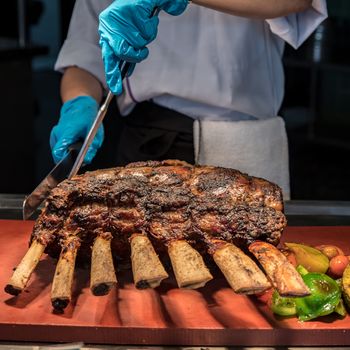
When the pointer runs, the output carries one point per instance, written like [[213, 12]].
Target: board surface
[[211, 316]]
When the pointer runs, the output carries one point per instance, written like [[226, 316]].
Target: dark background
[[316, 105]]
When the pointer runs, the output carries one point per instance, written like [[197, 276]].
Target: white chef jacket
[[205, 64]]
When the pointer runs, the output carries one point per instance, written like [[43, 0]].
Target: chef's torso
[[208, 64], [203, 63]]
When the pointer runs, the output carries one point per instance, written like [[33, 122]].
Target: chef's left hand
[[126, 28]]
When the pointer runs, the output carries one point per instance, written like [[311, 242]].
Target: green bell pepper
[[324, 299], [283, 306]]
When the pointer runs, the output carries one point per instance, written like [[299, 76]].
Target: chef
[[207, 86]]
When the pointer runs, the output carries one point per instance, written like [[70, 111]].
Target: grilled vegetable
[[329, 250], [325, 298], [312, 259], [337, 266], [345, 284], [283, 306]]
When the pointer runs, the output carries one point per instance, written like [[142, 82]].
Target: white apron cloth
[[256, 147]]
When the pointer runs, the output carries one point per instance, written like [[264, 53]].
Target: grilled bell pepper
[[340, 308], [324, 299], [283, 306]]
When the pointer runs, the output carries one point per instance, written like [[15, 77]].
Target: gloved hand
[[77, 116], [125, 28]]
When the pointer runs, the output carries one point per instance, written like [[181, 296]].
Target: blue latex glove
[[77, 116], [126, 28]]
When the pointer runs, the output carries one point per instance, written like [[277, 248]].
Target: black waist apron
[[152, 132]]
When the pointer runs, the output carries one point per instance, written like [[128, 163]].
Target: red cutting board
[[211, 316]]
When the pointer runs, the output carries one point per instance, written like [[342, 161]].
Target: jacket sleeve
[[81, 47], [296, 28]]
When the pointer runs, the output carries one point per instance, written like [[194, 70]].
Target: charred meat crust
[[165, 200]]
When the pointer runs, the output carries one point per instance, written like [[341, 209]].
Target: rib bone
[[61, 292], [241, 272], [188, 265], [25, 268], [102, 269], [147, 269], [281, 272]]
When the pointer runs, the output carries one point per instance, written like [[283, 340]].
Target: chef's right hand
[[77, 116], [126, 27]]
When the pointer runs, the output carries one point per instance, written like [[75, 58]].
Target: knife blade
[[59, 173]]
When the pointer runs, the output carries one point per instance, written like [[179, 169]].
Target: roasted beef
[[147, 209], [165, 200]]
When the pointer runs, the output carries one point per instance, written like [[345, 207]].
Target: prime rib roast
[[149, 211]]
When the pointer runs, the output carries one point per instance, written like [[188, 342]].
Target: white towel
[[256, 147]]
